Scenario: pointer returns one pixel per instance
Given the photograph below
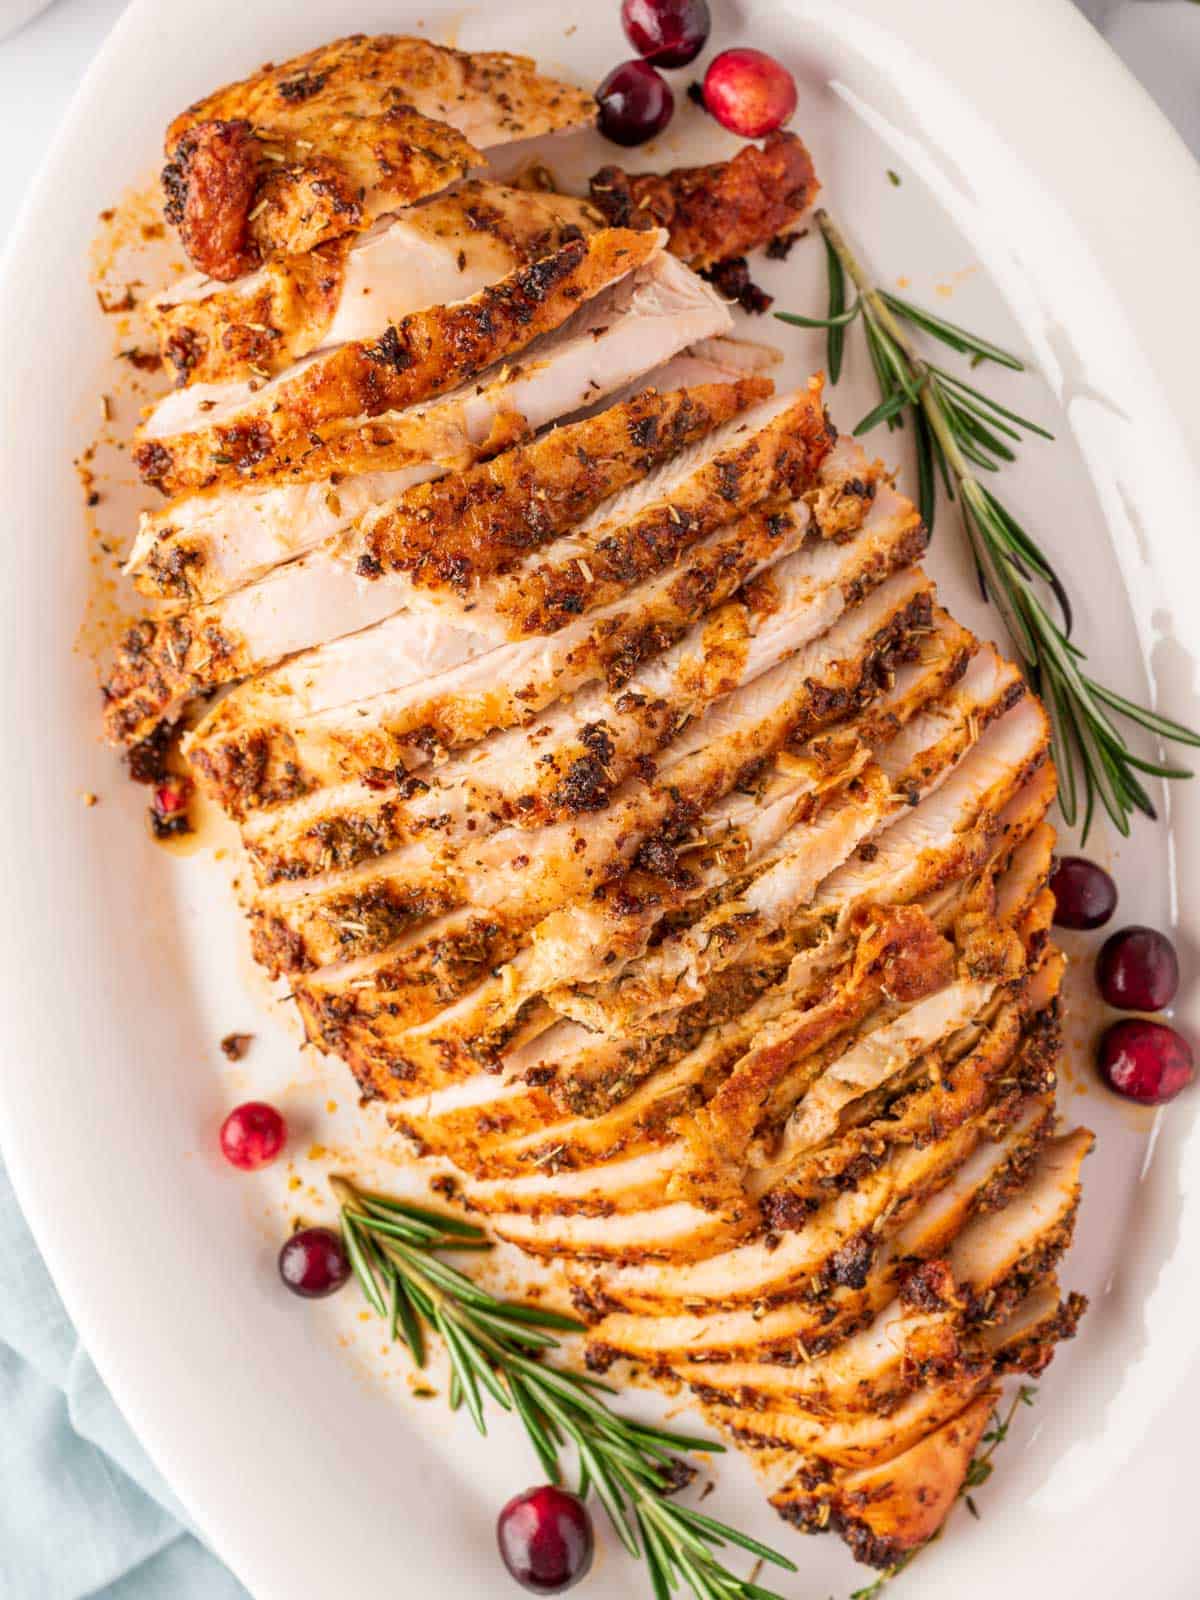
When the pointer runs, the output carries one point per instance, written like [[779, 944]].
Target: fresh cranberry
[[1145, 1061], [313, 1262], [1084, 894], [545, 1539], [171, 796], [252, 1135], [749, 92], [1138, 970], [670, 33], [169, 810], [635, 103]]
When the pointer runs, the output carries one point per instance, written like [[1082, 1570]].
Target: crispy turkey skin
[[715, 212]]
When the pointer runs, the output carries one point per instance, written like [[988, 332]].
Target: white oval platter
[[1043, 200]]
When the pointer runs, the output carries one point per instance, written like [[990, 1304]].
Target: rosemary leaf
[[883, 372], [495, 1348], [656, 1558], [1062, 734], [961, 430], [406, 1232], [926, 482], [540, 1317], [397, 1290], [363, 1269], [1147, 719], [539, 1437], [531, 1338], [486, 1376], [883, 412], [840, 319], [461, 1364], [836, 341], [970, 400], [410, 1323], [721, 1531], [675, 1442], [1025, 424], [433, 1219], [960, 339]]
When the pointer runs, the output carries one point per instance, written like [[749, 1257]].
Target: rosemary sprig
[[979, 1471], [961, 431], [497, 1349]]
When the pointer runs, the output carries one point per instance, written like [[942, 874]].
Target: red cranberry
[[1145, 1061], [171, 796], [1138, 970], [670, 33], [313, 1262], [1084, 894], [169, 812], [545, 1539], [252, 1135], [749, 92], [635, 103]]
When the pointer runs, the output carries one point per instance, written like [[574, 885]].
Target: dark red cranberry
[[252, 1135], [1138, 970], [1084, 894], [749, 93], [169, 811], [171, 796], [670, 33], [1145, 1061], [313, 1262], [635, 103], [545, 1539]]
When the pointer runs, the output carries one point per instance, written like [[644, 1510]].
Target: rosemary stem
[[496, 1346], [882, 313]]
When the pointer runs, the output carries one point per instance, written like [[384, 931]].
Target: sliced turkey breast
[[316, 721], [577, 752], [162, 664], [515, 1124], [323, 144], [448, 248], [697, 770], [209, 542], [808, 1328], [426, 354]]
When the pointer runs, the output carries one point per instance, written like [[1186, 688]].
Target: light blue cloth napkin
[[83, 1512]]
